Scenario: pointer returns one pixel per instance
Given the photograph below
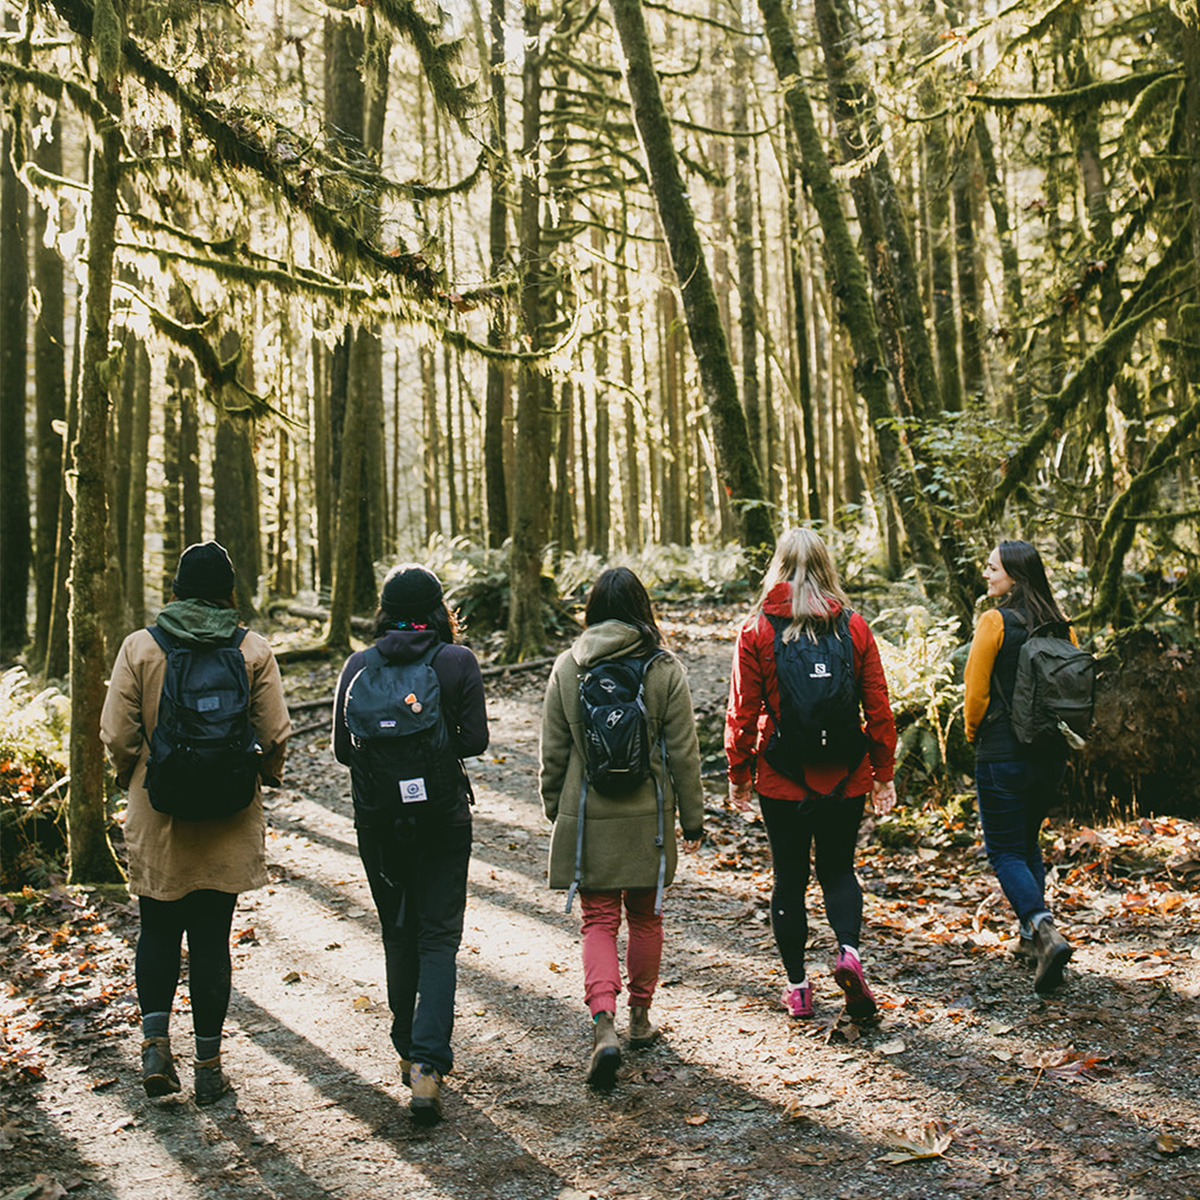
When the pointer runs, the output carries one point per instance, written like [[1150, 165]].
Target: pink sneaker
[[798, 1001], [848, 975]]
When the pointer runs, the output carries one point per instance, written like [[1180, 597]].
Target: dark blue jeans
[[417, 870], [1014, 798]]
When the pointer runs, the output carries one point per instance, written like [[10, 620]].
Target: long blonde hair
[[802, 559]]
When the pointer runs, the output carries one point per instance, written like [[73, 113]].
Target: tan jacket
[[168, 858], [619, 832]]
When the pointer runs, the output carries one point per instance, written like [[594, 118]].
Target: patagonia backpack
[[401, 748], [819, 700], [1054, 692], [612, 698], [204, 755]]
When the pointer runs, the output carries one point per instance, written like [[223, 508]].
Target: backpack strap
[[161, 637], [660, 839]]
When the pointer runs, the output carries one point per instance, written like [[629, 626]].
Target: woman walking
[[1015, 783], [406, 712], [188, 870], [805, 667], [613, 840]]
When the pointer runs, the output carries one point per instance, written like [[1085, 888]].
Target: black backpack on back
[[615, 734], [401, 746], [204, 756], [819, 701], [1054, 692]]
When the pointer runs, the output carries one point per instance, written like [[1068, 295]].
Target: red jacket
[[748, 726]]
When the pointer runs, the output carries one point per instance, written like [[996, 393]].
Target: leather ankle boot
[[426, 1102], [1053, 953], [210, 1081], [641, 1032], [606, 1052], [158, 1067]]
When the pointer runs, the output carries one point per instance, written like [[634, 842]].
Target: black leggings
[[207, 918], [793, 828]]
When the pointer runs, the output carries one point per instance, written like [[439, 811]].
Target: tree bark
[[49, 364], [16, 550], [91, 856], [709, 344], [135, 509]]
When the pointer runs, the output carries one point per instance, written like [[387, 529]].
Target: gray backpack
[[1055, 690]]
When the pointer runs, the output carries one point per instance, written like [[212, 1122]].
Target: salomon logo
[[819, 671]]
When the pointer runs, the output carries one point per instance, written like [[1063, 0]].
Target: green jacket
[[619, 831]]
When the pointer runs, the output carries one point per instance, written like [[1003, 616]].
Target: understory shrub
[[34, 731]]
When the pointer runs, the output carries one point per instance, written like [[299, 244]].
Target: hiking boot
[[606, 1052], [158, 1067], [641, 1032], [1053, 953], [426, 1102], [798, 1001], [848, 975], [1025, 951], [210, 1082]]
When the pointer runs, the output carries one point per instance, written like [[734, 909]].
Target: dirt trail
[[1095, 1089]]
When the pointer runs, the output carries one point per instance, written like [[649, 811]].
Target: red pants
[[601, 963]]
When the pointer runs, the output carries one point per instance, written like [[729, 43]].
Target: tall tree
[[16, 550], [739, 469]]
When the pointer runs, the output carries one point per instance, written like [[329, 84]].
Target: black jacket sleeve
[[463, 701], [341, 735]]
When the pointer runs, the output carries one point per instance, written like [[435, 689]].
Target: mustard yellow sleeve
[[977, 677]]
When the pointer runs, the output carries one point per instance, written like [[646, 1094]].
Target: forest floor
[[969, 1084]]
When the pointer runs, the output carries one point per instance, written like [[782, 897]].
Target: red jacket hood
[[779, 601]]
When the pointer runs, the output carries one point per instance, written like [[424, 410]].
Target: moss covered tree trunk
[[16, 549], [91, 856], [847, 281], [739, 469], [49, 364]]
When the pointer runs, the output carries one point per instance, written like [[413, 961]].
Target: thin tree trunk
[[91, 856], [135, 508], [709, 344], [16, 549], [631, 478], [743, 237], [49, 361]]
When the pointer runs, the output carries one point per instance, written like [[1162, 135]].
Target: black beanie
[[410, 591], [204, 573]]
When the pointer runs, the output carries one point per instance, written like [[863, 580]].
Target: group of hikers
[[195, 718]]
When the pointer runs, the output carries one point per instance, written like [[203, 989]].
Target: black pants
[[793, 828], [206, 917], [417, 869]]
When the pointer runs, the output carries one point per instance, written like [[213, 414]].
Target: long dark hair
[[618, 595], [440, 619], [1030, 592]]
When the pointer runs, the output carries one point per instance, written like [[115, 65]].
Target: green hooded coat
[[619, 831]]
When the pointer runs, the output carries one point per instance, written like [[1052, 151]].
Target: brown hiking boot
[[641, 1032], [159, 1077], [1053, 953], [606, 1052], [210, 1082], [426, 1102]]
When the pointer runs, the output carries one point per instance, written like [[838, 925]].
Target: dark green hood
[[198, 622]]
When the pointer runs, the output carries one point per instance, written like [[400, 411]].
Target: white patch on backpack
[[208, 703], [819, 671], [412, 791], [614, 718], [387, 724]]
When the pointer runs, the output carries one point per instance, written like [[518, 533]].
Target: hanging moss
[[107, 34]]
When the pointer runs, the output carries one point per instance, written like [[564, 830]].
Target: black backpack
[[204, 756], [615, 735], [401, 747], [1054, 692], [819, 701]]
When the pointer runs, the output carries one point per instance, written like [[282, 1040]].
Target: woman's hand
[[740, 794], [883, 798], [691, 847]]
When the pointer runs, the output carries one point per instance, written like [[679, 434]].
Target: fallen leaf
[[932, 1142], [292, 977], [894, 1047], [1168, 1143], [696, 1118], [361, 1002], [815, 1100], [123, 1123]]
